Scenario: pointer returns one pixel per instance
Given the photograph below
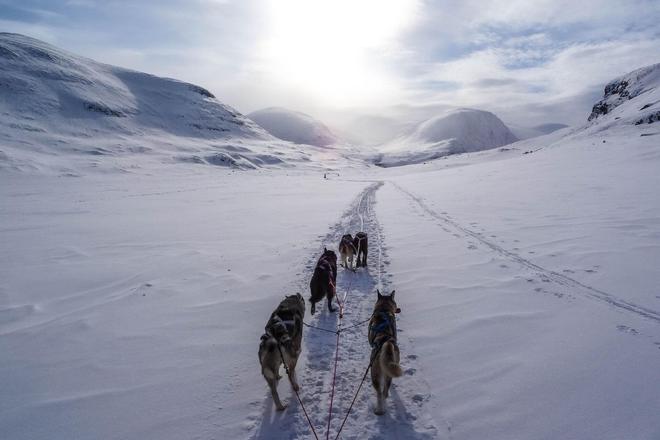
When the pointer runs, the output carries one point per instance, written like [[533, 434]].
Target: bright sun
[[333, 50]]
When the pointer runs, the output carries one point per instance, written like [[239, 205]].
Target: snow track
[[406, 415], [550, 275]]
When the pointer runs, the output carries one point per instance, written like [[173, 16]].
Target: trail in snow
[[407, 416], [547, 274]]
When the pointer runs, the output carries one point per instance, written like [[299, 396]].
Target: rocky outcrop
[[624, 89]]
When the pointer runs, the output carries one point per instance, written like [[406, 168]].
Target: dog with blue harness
[[384, 348]]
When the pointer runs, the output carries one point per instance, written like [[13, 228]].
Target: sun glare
[[334, 50]]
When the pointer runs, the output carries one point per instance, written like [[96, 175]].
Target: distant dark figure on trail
[[361, 243]]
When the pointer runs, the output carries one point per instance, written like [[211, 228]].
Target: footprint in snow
[[626, 329], [472, 247], [410, 371], [412, 356]]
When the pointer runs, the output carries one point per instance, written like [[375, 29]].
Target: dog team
[[282, 341]]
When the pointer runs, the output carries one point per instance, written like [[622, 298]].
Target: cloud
[[530, 62]]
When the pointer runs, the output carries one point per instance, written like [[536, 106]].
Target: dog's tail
[[390, 360]]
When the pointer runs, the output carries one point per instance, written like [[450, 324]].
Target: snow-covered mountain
[[622, 96], [59, 109], [456, 131], [294, 126], [630, 108]]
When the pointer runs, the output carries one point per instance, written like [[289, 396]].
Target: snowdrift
[[293, 126], [457, 131], [59, 109]]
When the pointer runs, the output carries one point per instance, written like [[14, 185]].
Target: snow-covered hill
[[630, 108], [634, 97], [456, 131], [59, 110], [293, 126]]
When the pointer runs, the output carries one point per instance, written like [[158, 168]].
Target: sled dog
[[283, 329], [384, 348], [361, 245], [324, 280], [347, 251]]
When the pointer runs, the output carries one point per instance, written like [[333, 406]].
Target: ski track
[[407, 416], [545, 274]]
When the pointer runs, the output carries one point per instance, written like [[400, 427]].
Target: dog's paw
[[379, 412], [281, 407], [296, 387]]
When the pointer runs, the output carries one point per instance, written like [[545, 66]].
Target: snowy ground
[[131, 305]]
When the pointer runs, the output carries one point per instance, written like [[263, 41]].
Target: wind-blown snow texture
[[293, 126], [457, 131], [131, 304]]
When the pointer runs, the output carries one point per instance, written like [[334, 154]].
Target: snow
[[69, 115], [522, 132], [133, 295], [617, 92], [294, 126], [455, 131]]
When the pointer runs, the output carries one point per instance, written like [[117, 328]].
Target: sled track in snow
[[406, 415], [563, 280]]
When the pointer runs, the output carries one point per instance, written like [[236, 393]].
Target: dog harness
[[382, 329], [280, 329]]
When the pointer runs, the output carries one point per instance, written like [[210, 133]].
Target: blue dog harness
[[382, 329]]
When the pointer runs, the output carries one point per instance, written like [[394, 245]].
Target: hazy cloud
[[530, 62]]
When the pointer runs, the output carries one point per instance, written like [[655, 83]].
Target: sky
[[530, 62]]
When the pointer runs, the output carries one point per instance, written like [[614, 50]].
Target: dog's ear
[[325, 249], [392, 294], [379, 295]]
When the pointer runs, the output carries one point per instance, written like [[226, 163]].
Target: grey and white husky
[[281, 343], [384, 348]]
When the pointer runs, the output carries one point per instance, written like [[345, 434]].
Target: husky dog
[[384, 349], [361, 244], [347, 251], [324, 280], [284, 329]]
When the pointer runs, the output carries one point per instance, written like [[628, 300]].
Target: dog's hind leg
[[272, 384], [380, 403], [377, 382], [330, 308], [329, 294], [386, 388], [294, 378]]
